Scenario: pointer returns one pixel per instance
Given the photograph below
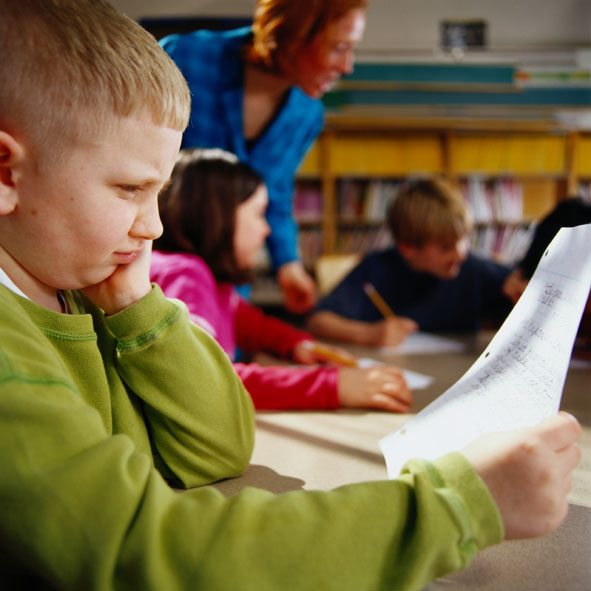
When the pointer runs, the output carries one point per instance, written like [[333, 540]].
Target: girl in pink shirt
[[213, 214]]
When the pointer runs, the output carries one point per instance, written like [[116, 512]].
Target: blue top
[[437, 305], [213, 66]]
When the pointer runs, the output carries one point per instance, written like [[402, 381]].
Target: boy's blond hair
[[429, 211], [70, 68]]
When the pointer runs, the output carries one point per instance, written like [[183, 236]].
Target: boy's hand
[[393, 331], [311, 352], [528, 473], [128, 284], [514, 285], [376, 387]]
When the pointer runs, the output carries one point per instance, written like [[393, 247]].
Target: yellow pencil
[[378, 300], [330, 354]]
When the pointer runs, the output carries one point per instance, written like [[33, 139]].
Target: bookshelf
[[517, 170], [581, 164]]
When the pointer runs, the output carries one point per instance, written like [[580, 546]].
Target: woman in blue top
[[256, 92]]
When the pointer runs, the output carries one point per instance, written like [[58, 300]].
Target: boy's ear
[[11, 154], [405, 249]]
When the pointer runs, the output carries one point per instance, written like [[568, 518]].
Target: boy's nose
[[148, 225]]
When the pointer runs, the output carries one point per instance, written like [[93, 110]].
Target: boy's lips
[[127, 257]]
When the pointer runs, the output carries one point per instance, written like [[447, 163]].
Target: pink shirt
[[232, 321]]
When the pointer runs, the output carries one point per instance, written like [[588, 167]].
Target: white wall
[[395, 25]]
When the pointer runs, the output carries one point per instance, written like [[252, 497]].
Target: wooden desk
[[323, 450]]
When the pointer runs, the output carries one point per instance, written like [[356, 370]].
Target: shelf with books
[[493, 200], [308, 201], [584, 190], [581, 164], [358, 164], [357, 240], [311, 245], [504, 243], [362, 205], [365, 200]]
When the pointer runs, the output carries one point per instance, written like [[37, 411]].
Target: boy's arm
[[84, 509], [384, 333], [200, 417], [330, 325]]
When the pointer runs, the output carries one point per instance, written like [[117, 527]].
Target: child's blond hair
[[70, 68], [429, 211]]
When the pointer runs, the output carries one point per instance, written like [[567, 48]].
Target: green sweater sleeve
[[199, 415], [82, 508]]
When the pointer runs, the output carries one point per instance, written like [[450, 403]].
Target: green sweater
[[100, 415]]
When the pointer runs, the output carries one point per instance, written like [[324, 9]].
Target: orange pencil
[[378, 300], [330, 354]]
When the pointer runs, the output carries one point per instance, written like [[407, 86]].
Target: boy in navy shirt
[[428, 279]]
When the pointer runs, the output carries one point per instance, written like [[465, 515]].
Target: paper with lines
[[423, 342], [518, 379]]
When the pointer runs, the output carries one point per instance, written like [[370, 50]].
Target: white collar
[[7, 282]]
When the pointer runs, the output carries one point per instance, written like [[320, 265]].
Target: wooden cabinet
[[547, 163]]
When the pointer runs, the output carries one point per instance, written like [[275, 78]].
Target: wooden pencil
[[378, 300], [330, 354]]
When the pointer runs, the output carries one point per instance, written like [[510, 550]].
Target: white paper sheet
[[518, 379], [422, 342]]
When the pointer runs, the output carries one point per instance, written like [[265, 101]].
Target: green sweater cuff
[[483, 524], [145, 318]]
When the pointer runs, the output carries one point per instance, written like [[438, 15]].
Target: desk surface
[[323, 450]]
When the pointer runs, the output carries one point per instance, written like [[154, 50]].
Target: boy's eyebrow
[[166, 184]]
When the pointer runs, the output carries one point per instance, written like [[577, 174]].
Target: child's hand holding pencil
[[391, 331], [381, 387]]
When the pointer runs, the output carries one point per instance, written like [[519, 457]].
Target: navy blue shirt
[[437, 305]]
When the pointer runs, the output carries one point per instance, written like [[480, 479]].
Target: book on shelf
[[350, 198], [363, 240], [584, 191], [307, 201], [494, 200], [365, 199], [379, 195], [311, 245], [505, 244]]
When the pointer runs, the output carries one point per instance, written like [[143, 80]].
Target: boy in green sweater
[[109, 396]]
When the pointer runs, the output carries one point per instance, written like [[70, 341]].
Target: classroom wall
[[412, 25]]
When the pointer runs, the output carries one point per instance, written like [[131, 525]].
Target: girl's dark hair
[[198, 209]]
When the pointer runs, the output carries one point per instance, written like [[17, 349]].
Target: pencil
[[330, 354], [378, 300]]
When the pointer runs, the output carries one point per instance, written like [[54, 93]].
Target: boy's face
[[75, 224], [440, 260]]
